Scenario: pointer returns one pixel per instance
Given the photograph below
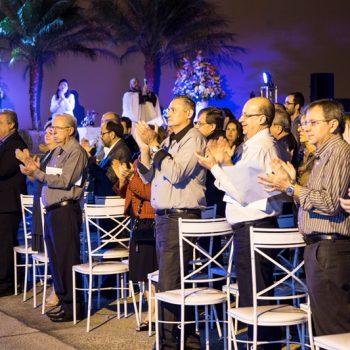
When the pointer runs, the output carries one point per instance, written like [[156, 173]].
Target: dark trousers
[[9, 223], [327, 267], [62, 237], [264, 274], [168, 256]]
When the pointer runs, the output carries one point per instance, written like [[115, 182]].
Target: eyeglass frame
[[313, 123], [106, 132], [245, 115], [59, 127]]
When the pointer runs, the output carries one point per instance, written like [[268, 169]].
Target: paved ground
[[25, 328]]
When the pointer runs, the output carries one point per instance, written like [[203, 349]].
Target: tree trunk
[[35, 80], [152, 73]]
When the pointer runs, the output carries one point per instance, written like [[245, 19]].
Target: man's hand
[[23, 156], [145, 136], [280, 177], [86, 145], [206, 162], [345, 203], [220, 150]]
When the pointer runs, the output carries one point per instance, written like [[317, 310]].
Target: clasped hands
[[217, 152], [30, 164], [145, 136], [281, 176], [123, 171]]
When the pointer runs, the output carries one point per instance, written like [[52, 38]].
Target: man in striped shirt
[[322, 220]]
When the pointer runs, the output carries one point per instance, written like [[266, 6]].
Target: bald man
[[260, 148]]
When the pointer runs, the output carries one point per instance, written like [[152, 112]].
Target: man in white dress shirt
[[257, 151]]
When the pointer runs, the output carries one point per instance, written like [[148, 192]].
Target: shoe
[[54, 311], [144, 327], [61, 317]]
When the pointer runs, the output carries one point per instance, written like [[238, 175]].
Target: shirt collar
[[7, 136], [177, 137], [108, 149], [327, 145], [255, 139]]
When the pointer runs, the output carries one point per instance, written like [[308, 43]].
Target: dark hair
[[240, 135], [298, 98], [162, 134], [116, 127], [331, 109], [213, 115], [282, 118], [228, 113], [67, 93], [127, 122], [48, 124], [189, 102], [11, 116]]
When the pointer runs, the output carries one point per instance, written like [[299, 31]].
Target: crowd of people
[[301, 152]]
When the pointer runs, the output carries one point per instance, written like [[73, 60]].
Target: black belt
[[177, 211], [60, 204], [271, 219], [317, 237]]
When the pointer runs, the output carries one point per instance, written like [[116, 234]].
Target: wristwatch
[[290, 189], [154, 150]]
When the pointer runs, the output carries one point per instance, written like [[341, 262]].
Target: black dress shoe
[[61, 317], [54, 311]]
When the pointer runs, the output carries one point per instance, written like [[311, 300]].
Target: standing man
[[12, 184], [177, 191], [293, 103], [141, 104], [115, 148], [259, 148], [322, 221], [63, 186]]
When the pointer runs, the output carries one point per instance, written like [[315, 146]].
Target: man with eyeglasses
[[115, 148], [210, 125], [323, 217], [259, 148], [293, 104], [63, 186]]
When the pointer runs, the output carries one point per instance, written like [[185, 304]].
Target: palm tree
[[37, 31], [164, 31]]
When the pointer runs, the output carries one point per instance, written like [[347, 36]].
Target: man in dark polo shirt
[[322, 220], [63, 186], [177, 191]]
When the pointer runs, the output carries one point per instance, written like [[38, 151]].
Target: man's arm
[[72, 170]]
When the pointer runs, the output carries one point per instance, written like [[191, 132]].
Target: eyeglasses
[[289, 103], [312, 123], [199, 124], [54, 128], [245, 115], [104, 133]]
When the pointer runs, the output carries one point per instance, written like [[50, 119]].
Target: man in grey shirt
[[178, 190], [63, 186]]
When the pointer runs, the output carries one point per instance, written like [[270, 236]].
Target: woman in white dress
[[63, 100]]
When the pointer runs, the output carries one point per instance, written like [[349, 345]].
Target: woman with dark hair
[[234, 133], [63, 101]]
